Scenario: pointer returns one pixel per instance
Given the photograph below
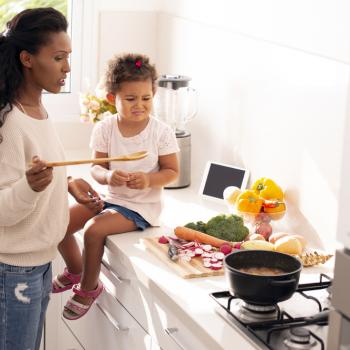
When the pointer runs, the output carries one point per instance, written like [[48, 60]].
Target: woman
[[34, 215]]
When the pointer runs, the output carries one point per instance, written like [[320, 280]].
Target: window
[[9, 8], [66, 104]]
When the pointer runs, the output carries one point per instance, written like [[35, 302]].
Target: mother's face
[[48, 68]]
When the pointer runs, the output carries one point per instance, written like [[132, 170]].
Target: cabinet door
[[108, 326], [175, 332], [65, 339]]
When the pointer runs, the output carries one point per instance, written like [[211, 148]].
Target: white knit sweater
[[31, 223]]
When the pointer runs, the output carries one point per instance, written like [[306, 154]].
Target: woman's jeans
[[24, 296]]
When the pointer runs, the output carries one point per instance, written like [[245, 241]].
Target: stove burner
[[248, 313], [259, 308], [300, 339]]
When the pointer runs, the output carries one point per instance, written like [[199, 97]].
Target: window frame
[[65, 105]]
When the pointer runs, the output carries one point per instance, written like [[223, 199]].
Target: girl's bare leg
[[96, 231], [68, 247]]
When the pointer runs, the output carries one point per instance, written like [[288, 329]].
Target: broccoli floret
[[228, 227], [198, 226]]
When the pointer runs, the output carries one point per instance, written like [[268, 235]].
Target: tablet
[[218, 176]]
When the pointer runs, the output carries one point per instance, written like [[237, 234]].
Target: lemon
[[230, 194]]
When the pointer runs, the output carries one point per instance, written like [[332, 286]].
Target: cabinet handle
[[118, 278], [170, 332], [111, 319]]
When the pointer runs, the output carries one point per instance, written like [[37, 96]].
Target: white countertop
[[189, 296]]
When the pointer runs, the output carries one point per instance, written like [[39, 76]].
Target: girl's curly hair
[[129, 67]]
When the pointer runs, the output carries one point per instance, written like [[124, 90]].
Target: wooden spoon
[[132, 156]]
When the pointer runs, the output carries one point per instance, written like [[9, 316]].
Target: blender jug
[[176, 104]]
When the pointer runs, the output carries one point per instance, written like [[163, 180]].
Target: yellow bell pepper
[[249, 202], [267, 189]]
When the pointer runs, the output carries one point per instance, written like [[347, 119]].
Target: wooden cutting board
[[186, 269]]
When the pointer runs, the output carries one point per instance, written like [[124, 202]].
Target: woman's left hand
[[85, 194], [138, 181]]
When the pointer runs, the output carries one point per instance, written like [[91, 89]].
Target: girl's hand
[[39, 176], [85, 194], [117, 178], [138, 181]]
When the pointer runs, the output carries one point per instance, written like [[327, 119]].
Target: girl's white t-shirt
[[158, 139]]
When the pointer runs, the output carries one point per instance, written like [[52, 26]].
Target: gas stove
[[299, 323]]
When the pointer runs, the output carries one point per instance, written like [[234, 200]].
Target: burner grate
[[265, 330]]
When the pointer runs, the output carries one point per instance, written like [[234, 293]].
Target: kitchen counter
[[187, 298]]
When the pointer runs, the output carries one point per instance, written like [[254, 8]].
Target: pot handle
[[282, 282]]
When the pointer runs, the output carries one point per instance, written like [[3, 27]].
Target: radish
[[163, 240], [216, 266], [226, 249], [207, 264], [219, 255], [198, 252], [207, 247], [188, 245]]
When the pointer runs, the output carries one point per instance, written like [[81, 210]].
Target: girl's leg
[[95, 233], [68, 247]]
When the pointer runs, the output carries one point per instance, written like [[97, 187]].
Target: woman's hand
[[138, 181], [85, 194], [117, 178], [39, 176]]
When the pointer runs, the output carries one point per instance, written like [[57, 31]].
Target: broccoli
[[198, 226], [227, 227]]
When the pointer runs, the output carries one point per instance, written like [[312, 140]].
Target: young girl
[[34, 214], [133, 199]]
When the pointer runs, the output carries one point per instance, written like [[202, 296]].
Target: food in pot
[[262, 271]]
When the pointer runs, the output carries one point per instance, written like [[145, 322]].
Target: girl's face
[[134, 100], [48, 68]]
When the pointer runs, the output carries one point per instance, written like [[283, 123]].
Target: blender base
[[184, 157]]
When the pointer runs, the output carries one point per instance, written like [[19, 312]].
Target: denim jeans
[[24, 296]]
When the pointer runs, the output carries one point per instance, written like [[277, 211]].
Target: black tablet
[[218, 176]]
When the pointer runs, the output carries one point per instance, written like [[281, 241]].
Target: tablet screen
[[220, 176]]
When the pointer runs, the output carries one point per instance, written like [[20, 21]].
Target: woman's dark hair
[[29, 30], [129, 67]]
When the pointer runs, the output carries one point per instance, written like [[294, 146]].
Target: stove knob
[[300, 335]]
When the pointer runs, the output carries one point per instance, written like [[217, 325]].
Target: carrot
[[192, 235]]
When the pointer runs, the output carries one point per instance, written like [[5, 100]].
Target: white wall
[[272, 78]]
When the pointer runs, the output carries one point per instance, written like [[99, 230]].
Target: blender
[[176, 104]]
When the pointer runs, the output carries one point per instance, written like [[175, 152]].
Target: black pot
[[262, 290]]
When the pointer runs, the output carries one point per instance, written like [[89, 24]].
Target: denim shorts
[[24, 296], [139, 221]]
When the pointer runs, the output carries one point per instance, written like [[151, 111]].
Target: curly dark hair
[[29, 30], [129, 67]]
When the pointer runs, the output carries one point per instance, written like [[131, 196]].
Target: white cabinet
[[66, 339], [127, 315], [109, 326]]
